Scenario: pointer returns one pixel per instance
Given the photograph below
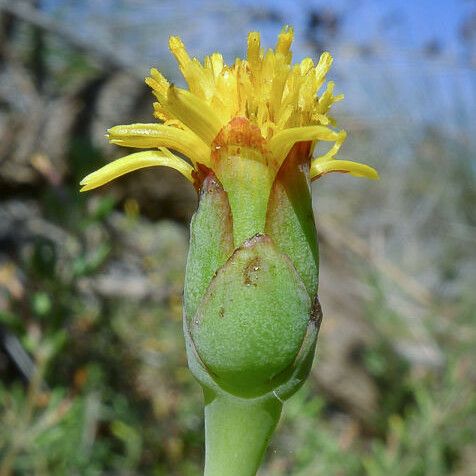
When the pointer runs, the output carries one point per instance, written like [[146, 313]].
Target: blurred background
[[93, 374]]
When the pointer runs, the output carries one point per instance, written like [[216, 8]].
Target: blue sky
[[398, 79], [401, 23]]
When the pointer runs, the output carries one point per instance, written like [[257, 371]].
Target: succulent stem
[[237, 433]]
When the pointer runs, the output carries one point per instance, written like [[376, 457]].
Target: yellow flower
[[261, 102]]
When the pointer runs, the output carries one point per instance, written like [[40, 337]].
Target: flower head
[[249, 130], [251, 309], [262, 101]]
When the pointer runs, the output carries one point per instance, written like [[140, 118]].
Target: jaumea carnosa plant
[[251, 312]]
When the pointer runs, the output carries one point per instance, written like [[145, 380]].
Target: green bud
[[252, 319], [251, 314]]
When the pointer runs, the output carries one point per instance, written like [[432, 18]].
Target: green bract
[[251, 313]]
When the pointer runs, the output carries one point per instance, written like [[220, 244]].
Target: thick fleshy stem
[[237, 433]]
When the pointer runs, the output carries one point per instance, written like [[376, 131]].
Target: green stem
[[237, 433]]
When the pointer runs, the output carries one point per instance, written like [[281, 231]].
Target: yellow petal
[[158, 82], [159, 135], [195, 113], [139, 160], [285, 38], [322, 68], [319, 168], [254, 53], [330, 154], [179, 51], [281, 143], [199, 81], [215, 61]]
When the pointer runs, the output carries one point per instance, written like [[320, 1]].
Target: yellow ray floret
[[139, 160], [281, 99], [158, 135], [280, 144], [318, 169]]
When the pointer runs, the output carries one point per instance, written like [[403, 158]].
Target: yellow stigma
[[279, 98]]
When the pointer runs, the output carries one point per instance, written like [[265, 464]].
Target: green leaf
[[41, 303]]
